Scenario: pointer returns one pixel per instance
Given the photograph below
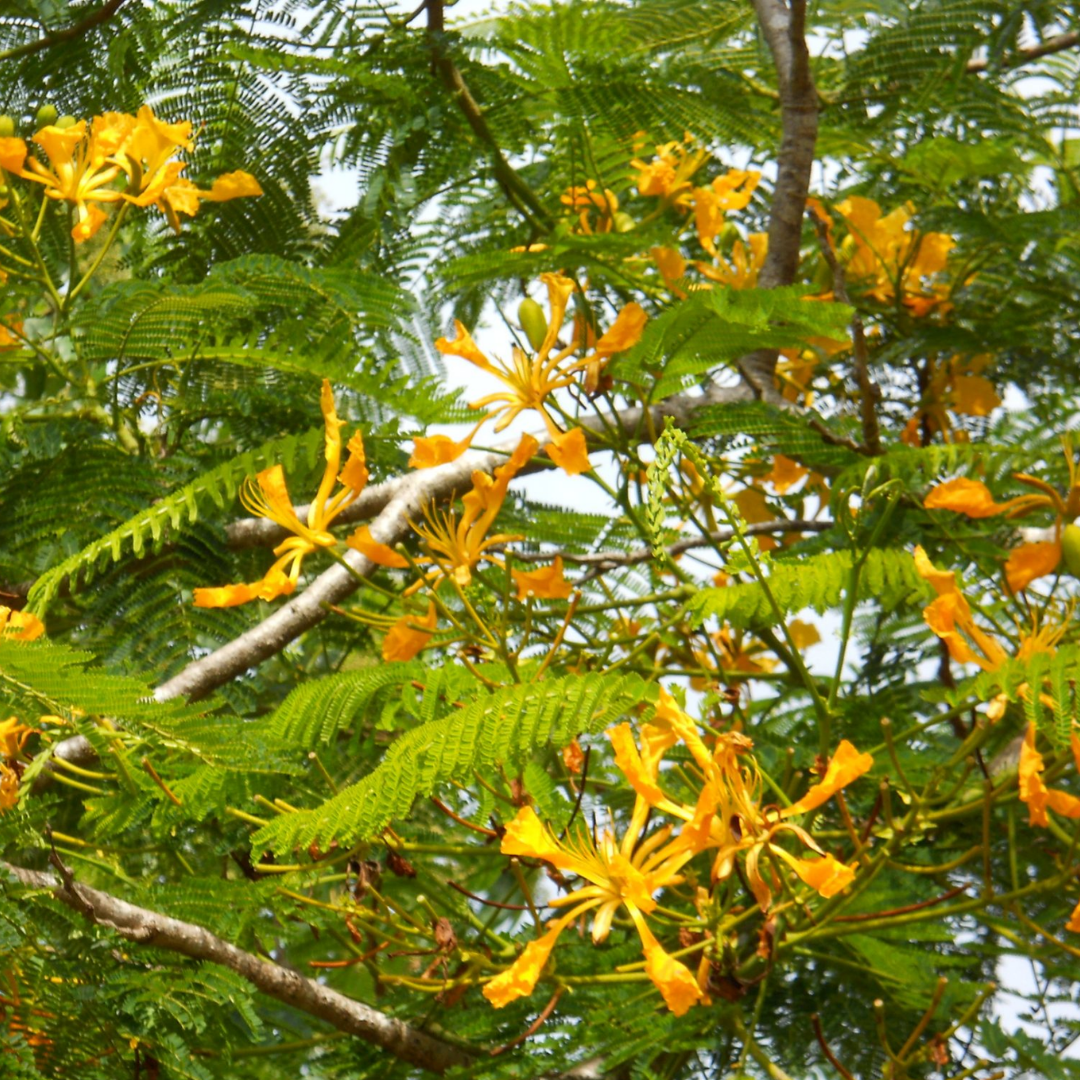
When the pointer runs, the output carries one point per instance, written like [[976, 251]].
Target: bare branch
[[146, 927], [96, 18], [1056, 44]]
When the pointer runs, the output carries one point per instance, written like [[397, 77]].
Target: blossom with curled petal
[[455, 546], [732, 191], [268, 497], [1029, 561], [626, 873], [1034, 793], [13, 736]]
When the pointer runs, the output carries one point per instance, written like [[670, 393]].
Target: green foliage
[[502, 728], [817, 581]]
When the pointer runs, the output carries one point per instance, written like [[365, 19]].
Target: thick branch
[[784, 31], [146, 927], [96, 18]]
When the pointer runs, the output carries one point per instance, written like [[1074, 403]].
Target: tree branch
[[783, 27], [1051, 45], [96, 18], [146, 927]]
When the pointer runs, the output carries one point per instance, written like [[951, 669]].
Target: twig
[[869, 391], [96, 18], [826, 1050], [484, 900], [534, 1027]]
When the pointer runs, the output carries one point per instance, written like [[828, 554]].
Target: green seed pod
[[623, 221], [4, 193], [533, 321], [65, 122], [1070, 548], [46, 115], [7, 127]]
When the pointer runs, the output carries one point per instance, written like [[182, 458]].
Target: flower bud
[[533, 321], [7, 127], [1070, 548], [46, 115], [623, 221], [65, 122]]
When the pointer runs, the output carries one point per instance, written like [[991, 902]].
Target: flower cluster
[[117, 158], [727, 817], [531, 379], [13, 736]]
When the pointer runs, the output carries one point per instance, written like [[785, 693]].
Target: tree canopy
[[333, 745]]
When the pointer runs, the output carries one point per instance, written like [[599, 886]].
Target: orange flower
[[12, 154], [11, 330], [20, 625], [596, 208], [1034, 793], [846, 766], [268, 497], [1029, 561], [672, 266], [742, 271], [617, 874], [409, 636], [545, 583], [573, 756], [949, 616], [456, 547], [569, 451], [785, 474], [669, 173]]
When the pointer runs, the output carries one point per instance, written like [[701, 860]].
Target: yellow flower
[[13, 736], [268, 497], [569, 450], [955, 386], [12, 154], [596, 208], [457, 546], [728, 815], [9, 788], [949, 616], [846, 766], [732, 191], [669, 173], [545, 583], [529, 381], [745, 265], [886, 258], [623, 333], [20, 625], [409, 636], [432, 450], [617, 874], [79, 170]]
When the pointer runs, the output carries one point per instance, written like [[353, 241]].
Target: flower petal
[[569, 451], [846, 766], [20, 625], [827, 875], [12, 154], [671, 977], [520, 979], [544, 583], [1031, 561], [369, 547], [527, 835]]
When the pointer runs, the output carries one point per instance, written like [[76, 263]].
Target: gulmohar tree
[[327, 751]]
